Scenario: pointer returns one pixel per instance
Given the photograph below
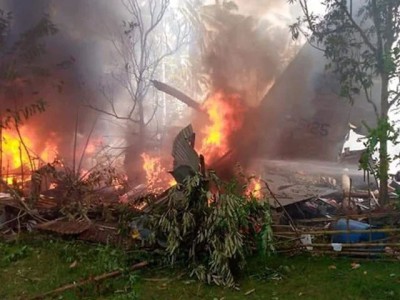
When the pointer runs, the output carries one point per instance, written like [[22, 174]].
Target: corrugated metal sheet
[[186, 159]]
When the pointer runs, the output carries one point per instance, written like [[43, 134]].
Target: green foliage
[[213, 232], [362, 46], [108, 257], [36, 264], [125, 217], [13, 254], [268, 273], [44, 269], [384, 130]]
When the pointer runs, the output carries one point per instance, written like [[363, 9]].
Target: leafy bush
[[213, 232]]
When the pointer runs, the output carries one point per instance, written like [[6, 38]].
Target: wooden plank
[[334, 218], [355, 245], [323, 232]]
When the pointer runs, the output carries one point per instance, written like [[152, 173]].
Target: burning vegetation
[[203, 171]]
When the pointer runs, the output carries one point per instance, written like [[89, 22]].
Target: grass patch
[[36, 264], [50, 263], [299, 277]]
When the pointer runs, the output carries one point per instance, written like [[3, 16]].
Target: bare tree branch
[[365, 38], [141, 47], [395, 99]]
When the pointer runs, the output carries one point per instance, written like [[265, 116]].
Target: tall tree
[[144, 42], [361, 41]]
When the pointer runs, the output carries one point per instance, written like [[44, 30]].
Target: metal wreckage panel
[[186, 160]]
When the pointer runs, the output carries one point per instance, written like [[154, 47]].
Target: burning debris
[[206, 208], [254, 188], [307, 212], [226, 117], [156, 175]]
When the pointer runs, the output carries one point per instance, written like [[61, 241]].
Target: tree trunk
[[383, 142], [383, 171], [133, 160]]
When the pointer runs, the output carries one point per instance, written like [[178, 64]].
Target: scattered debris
[[65, 227], [311, 212], [249, 292], [74, 264], [332, 267]]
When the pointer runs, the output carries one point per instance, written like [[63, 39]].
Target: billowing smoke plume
[[245, 49], [75, 58], [243, 52]]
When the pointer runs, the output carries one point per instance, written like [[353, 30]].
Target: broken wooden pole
[[177, 94], [89, 280], [330, 232]]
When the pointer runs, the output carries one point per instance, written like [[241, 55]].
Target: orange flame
[[50, 152], [225, 113], [254, 188], [156, 175], [14, 154], [10, 180], [152, 167]]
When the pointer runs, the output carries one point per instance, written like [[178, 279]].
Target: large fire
[[15, 150], [225, 117], [14, 154], [225, 113]]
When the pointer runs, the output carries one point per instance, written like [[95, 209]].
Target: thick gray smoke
[[304, 116], [246, 49], [76, 57], [264, 8]]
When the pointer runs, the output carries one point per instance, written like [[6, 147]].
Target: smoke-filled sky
[[84, 35], [85, 30], [79, 41]]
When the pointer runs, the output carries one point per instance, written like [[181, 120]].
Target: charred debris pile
[[310, 213]]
